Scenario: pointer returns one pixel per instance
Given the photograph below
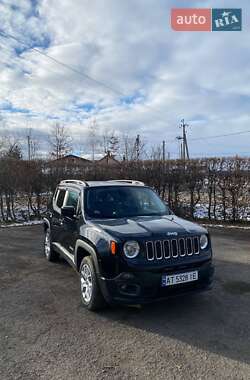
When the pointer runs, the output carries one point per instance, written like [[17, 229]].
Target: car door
[[70, 226], [56, 218]]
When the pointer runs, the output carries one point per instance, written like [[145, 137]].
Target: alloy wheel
[[86, 283], [47, 243]]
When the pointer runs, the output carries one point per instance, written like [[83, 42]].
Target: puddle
[[237, 287]]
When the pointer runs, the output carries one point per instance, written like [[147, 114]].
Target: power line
[[65, 65], [76, 71], [213, 154], [215, 136], [218, 136]]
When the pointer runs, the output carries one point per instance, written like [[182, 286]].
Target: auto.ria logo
[[226, 19], [206, 19]]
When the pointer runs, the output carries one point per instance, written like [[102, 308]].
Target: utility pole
[[164, 150], [184, 151], [179, 138], [29, 147], [184, 140], [137, 147], [92, 136]]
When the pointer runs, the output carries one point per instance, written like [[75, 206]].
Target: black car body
[[165, 255]]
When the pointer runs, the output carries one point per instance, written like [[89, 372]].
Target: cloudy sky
[[159, 76]]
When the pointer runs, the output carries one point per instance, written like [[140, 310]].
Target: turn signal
[[113, 247]]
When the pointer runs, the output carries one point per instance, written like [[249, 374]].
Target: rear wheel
[[91, 295], [50, 254]]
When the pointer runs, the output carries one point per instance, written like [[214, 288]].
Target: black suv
[[125, 243]]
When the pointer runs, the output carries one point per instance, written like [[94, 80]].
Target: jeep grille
[[165, 249]]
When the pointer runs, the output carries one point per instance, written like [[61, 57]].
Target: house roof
[[73, 157], [108, 159]]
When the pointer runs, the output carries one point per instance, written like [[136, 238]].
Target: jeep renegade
[[125, 243]]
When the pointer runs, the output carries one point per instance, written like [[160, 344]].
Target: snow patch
[[225, 226], [34, 222]]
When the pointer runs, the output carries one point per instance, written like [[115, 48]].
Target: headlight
[[131, 249], [203, 241]]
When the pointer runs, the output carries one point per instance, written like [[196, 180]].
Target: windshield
[[122, 202]]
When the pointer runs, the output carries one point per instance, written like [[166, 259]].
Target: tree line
[[212, 188]]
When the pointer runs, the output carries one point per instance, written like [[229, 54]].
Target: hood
[[160, 226]]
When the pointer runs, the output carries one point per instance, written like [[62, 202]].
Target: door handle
[[57, 222]]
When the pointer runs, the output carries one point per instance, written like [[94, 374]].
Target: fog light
[[127, 276]]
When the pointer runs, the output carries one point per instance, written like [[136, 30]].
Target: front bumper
[[145, 287]]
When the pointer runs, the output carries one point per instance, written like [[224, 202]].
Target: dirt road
[[45, 333]]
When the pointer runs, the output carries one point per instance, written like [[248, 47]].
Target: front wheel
[[50, 254], [91, 295]]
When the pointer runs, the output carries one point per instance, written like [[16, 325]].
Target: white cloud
[[204, 77]]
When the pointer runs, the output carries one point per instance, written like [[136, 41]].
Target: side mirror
[[68, 211], [170, 211]]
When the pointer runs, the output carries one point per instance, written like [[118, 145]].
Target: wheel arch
[[46, 224], [83, 249]]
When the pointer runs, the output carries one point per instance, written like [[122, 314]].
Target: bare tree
[[156, 153], [2, 145], [14, 150], [10, 147], [139, 148], [34, 148], [132, 148], [126, 147], [220, 185], [94, 139], [33, 145], [105, 141], [60, 141], [111, 143]]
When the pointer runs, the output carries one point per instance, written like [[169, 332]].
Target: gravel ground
[[45, 333]]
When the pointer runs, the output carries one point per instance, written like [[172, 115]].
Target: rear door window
[[72, 198], [60, 198]]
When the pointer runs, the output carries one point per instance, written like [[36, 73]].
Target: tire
[[91, 295], [49, 253]]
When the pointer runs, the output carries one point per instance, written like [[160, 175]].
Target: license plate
[[180, 278]]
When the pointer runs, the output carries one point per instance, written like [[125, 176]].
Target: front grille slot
[[182, 248], [150, 250], [189, 247], [159, 250], [167, 252], [174, 248], [196, 245]]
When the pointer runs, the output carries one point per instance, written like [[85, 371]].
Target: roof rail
[[131, 181], [74, 181]]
